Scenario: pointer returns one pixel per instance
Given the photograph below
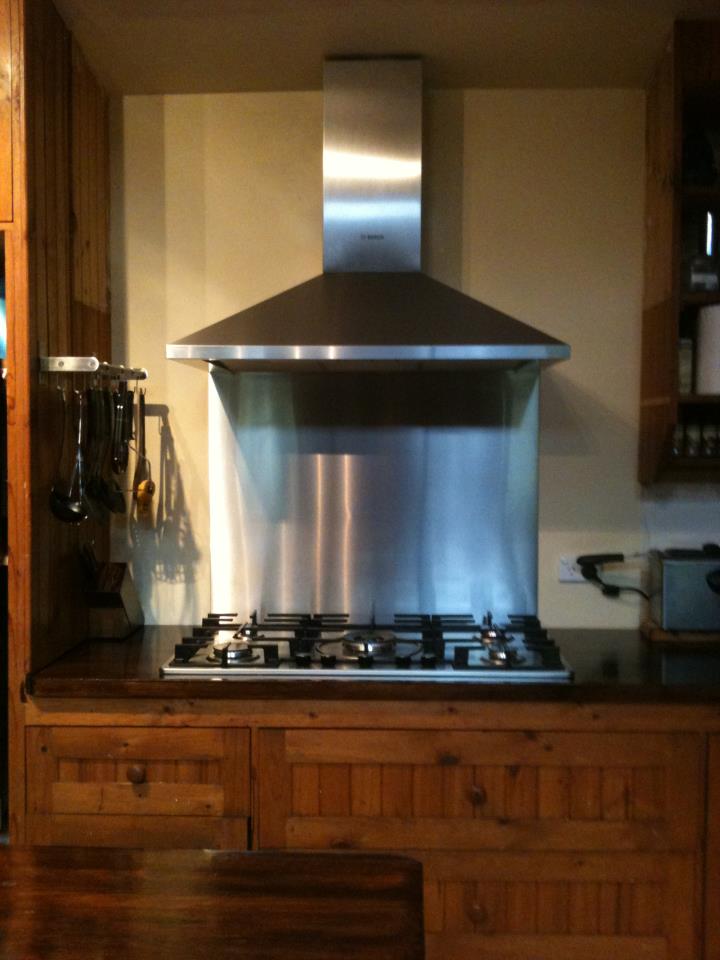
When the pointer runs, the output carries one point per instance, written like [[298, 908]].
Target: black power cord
[[589, 564]]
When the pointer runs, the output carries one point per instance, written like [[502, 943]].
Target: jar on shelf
[[678, 440], [686, 352], [693, 436], [709, 440]]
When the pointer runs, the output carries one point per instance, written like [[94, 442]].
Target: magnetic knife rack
[[91, 365]]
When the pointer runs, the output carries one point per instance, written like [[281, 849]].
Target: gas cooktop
[[450, 647]]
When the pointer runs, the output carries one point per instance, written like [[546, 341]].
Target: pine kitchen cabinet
[[535, 844], [575, 820]]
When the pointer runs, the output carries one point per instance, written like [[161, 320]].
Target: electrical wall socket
[[569, 571]]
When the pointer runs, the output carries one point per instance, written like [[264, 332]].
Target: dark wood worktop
[[60, 903], [609, 665]]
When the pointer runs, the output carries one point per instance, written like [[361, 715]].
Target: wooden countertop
[[609, 666], [60, 903]]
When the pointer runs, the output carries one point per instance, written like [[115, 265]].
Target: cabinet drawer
[[557, 906], [184, 783], [486, 790]]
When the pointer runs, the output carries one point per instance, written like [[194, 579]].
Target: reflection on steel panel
[[368, 493]]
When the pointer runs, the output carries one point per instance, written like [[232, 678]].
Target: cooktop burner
[[451, 647]]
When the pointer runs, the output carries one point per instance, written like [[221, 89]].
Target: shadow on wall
[[589, 453], [165, 550]]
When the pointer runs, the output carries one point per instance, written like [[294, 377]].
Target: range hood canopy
[[372, 307]]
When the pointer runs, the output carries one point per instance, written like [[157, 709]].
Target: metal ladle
[[71, 507]]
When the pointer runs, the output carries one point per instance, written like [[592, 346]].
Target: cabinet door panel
[[485, 790], [552, 905]]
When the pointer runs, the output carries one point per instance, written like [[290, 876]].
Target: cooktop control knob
[[461, 657], [328, 660], [365, 660], [428, 661], [303, 660], [403, 663]]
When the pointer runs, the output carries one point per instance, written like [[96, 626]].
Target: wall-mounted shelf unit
[[682, 205]]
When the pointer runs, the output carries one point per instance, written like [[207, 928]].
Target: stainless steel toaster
[[684, 588]]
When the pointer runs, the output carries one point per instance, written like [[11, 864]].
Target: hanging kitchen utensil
[[143, 484], [67, 501], [114, 497], [128, 424], [104, 490], [119, 456], [95, 443]]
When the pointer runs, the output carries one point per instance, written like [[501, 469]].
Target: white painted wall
[[534, 203]]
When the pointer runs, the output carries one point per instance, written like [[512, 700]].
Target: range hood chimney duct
[[372, 308], [372, 166]]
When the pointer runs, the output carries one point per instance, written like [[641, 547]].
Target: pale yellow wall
[[533, 204]]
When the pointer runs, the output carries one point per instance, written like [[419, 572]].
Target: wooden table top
[[59, 903]]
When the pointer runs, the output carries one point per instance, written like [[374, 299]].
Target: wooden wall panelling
[[56, 618], [6, 131], [45, 592], [90, 199], [69, 187], [88, 219]]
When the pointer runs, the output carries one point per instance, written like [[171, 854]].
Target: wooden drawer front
[[560, 906], [6, 198], [77, 774], [430, 790]]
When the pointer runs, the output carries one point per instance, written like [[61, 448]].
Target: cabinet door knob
[[478, 795], [448, 760], [136, 773], [478, 913]]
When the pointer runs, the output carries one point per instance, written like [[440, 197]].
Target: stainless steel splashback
[[373, 493]]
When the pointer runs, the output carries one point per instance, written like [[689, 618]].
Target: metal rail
[[91, 365]]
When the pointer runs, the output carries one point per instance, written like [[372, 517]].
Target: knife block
[[115, 612]]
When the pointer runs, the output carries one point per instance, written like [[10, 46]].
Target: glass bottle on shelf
[[700, 261], [685, 365]]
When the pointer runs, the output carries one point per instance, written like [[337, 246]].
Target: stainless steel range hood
[[372, 307]]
